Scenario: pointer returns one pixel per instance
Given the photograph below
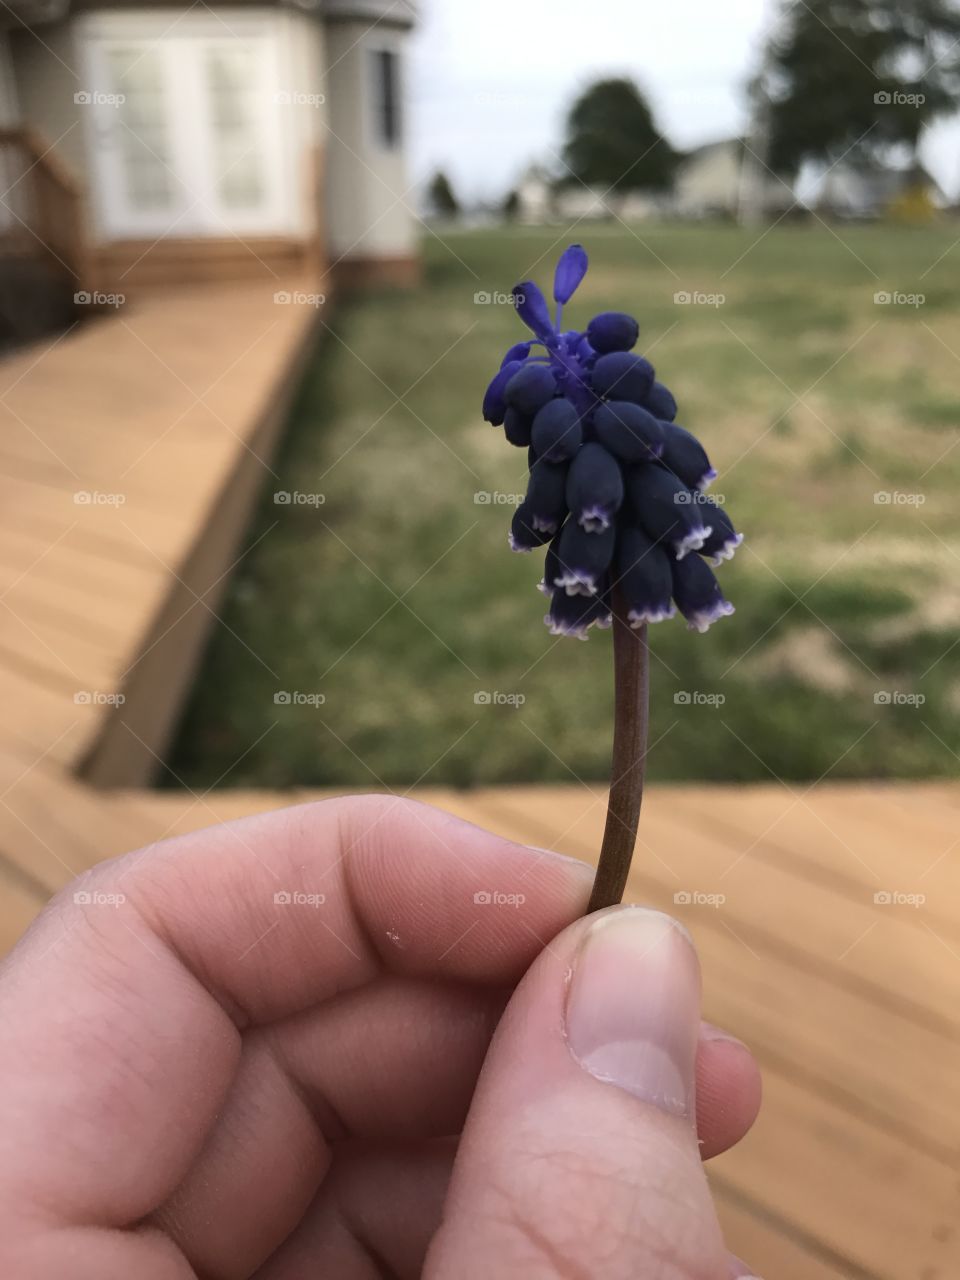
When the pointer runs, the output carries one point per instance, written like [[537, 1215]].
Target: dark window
[[386, 89]]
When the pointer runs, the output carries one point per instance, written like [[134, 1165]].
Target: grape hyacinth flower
[[617, 496]]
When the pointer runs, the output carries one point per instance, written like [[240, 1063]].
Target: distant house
[[852, 191], [150, 143], [541, 199], [722, 179]]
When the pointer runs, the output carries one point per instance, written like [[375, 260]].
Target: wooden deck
[[850, 999], [130, 452]]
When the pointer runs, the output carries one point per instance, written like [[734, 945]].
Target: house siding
[[368, 206]]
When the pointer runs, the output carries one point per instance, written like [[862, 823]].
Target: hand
[[255, 1051]]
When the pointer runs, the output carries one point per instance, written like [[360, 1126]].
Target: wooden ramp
[[130, 453], [814, 953]]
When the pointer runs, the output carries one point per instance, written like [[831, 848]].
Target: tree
[[511, 205], [440, 193], [857, 78], [612, 140]]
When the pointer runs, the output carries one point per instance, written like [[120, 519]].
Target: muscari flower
[[617, 488]]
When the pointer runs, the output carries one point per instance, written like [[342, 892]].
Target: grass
[[397, 602]]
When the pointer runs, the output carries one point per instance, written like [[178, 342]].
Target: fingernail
[[632, 1015], [738, 1270]]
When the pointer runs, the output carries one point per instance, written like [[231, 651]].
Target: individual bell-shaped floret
[[545, 505], [698, 594], [519, 351], [494, 400], [724, 539], [517, 427], [685, 456], [571, 268], [643, 577], [582, 559], [594, 487], [628, 431], [666, 510], [532, 309], [574, 615], [622, 376], [524, 534], [530, 388], [661, 403], [557, 433], [612, 331]]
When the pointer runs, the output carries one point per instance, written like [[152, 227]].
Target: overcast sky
[[492, 79]]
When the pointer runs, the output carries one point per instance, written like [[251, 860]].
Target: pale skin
[[200, 1080]]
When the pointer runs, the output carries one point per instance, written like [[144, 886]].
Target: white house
[[721, 178], [146, 143], [855, 191]]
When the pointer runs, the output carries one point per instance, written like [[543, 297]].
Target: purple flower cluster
[[616, 489]]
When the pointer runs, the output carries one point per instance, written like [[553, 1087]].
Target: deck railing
[[42, 207]]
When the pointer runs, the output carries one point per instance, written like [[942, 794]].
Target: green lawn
[[398, 601]]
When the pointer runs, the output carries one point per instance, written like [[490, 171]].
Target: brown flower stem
[[631, 685]]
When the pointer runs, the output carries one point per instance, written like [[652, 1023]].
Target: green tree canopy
[[858, 77], [613, 141]]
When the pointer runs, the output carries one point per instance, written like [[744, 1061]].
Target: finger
[[374, 1216], [580, 1155], [174, 947], [729, 1090]]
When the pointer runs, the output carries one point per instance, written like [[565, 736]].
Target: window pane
[[386, 73], [238, 163], [137, 74]]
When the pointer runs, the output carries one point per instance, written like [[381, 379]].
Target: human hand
[[198, 1080]]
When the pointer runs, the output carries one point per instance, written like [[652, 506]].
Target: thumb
[[579, 1157]]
